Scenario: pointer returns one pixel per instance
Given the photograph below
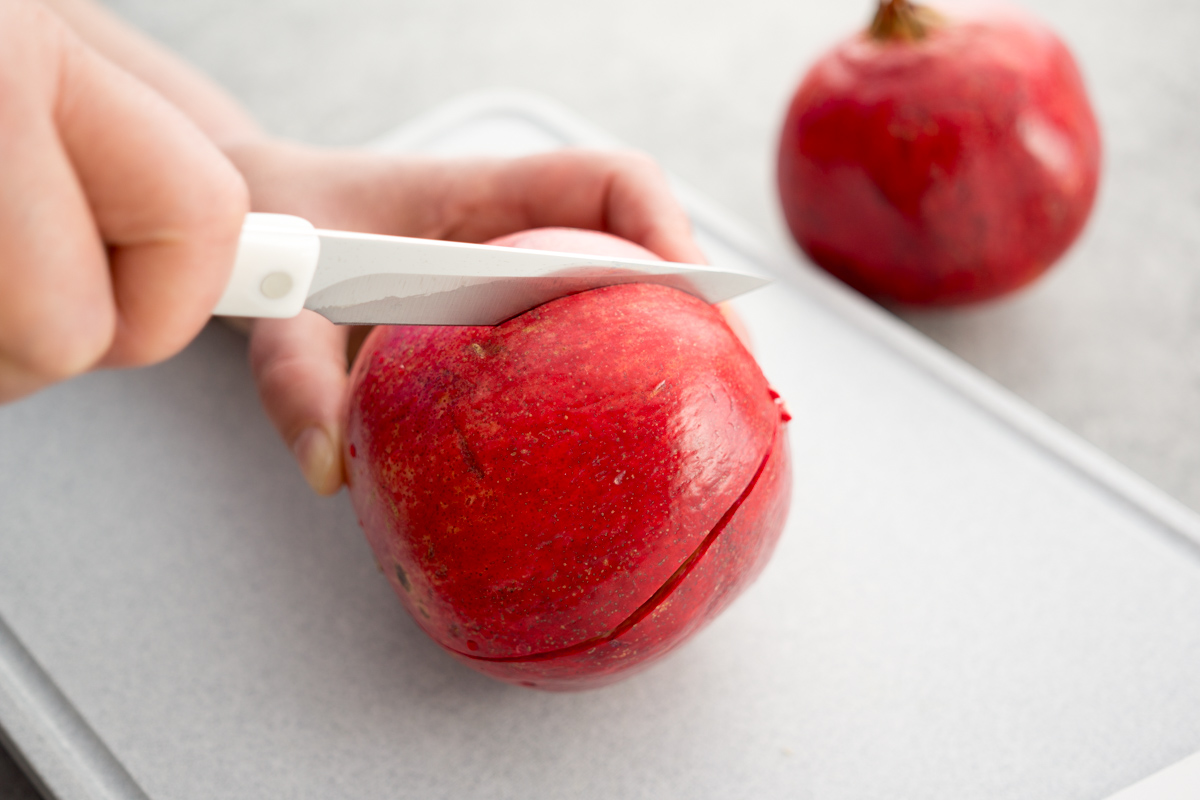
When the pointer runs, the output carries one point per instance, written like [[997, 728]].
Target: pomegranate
[[940, 157], [563, 498]]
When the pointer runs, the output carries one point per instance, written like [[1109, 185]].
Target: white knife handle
[[276, 261]]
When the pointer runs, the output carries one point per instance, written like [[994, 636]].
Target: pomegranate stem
[[900, 20]]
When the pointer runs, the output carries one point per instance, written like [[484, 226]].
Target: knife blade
[[285, 264]]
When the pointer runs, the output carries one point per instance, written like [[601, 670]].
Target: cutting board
[[967, 601]]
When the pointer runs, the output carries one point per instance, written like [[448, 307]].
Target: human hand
[[118, 219], [300, 364]]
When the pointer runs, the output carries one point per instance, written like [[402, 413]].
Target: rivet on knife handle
[[276, 260]]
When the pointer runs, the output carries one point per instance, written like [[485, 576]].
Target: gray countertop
[[1103, 344]]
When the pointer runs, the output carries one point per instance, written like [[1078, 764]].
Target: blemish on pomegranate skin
[[468, 454], [472, 644], [402, 576], [353, 451]]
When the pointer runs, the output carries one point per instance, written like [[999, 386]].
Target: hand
[[118, 218], [300, 364]]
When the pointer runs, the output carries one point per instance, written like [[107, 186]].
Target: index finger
[[622, 193]]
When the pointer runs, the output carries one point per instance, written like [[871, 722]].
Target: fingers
[[300, 367], [639, 206], [622, 193], [118, 221], [56, 313], [165, 201], [471, 200]]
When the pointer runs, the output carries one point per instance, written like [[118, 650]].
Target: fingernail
[[319, 460]]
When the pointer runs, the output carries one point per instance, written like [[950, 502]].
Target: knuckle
[[220, 205], [151, 335], [147, 338], [205, 202], [32, 43], [635, 161], [70, 348], [143, 352]]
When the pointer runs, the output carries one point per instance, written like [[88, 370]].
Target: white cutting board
[[967, 601]]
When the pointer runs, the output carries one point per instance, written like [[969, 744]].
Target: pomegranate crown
[[900, 20]]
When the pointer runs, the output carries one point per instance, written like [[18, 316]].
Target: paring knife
[[284, 264]]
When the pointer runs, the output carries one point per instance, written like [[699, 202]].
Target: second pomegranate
[[941, 156]]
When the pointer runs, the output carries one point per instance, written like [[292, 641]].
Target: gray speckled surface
[[1105, 344]]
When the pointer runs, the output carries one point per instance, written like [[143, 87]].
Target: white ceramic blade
[[365, 279]]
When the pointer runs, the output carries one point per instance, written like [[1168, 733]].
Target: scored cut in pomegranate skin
[[563, 498], [947, 155]]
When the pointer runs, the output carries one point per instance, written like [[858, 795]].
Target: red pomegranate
[[563, 498], [940, 157]]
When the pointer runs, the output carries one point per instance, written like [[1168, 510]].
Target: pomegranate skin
[[563, 498], [950, 169]]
